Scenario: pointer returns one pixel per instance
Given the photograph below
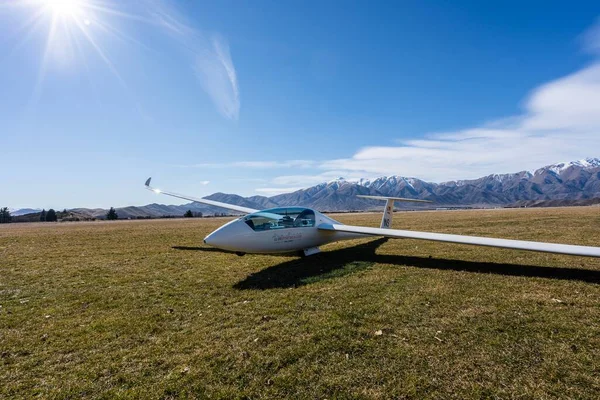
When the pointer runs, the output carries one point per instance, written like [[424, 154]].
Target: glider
[[300, 229]]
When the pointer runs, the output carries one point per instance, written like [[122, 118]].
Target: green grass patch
[[142, 309]]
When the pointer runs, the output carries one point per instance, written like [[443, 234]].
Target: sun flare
[[64, 7], [73, 33]]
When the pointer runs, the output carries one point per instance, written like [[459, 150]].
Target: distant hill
[[568, 183], [62, 216], [23, 211], [153, 210]]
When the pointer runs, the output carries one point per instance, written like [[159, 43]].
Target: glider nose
[[213, 239], [226, 237]]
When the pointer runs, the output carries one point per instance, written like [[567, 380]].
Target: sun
[[71, 31]]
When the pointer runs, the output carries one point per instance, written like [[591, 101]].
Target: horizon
[[586, 163], [267, 98]]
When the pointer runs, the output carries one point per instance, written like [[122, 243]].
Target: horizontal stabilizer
[[393, 198], [388, 211], [569, 249]]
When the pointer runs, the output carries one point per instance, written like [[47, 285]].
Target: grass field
[[142, 309]]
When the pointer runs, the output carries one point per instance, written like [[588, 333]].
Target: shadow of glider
[[301, 271]]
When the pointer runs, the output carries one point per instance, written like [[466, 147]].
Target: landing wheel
[[239, 253]]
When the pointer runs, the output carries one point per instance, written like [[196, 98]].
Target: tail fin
[[388, 212]]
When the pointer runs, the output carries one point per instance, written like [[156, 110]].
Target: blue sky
[[265, 97]]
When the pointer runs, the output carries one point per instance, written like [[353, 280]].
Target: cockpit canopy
[[281, 218]]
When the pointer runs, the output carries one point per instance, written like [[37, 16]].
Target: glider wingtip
[[148, 181]]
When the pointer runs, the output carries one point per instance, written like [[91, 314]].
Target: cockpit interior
[[281, 218]]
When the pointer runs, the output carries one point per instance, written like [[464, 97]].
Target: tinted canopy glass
[[281, 218]]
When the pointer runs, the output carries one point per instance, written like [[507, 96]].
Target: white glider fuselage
[[271, 235]]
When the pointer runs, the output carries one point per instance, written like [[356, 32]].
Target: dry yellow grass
[[143, 309]]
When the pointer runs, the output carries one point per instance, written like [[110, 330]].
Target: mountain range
[[576, 182]]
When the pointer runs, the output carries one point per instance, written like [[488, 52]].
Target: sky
[[265, 97]]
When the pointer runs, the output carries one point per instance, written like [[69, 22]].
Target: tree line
[[45, 216], [5, 216], [52, 216], [49, 216], [190, 214]]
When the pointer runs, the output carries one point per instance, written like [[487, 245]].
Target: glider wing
[[240, 209], [569, 249]]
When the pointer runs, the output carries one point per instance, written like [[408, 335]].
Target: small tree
[[51, 216], [188, 214], [43, 216], [112, 214], [5, 216], [198, 214]]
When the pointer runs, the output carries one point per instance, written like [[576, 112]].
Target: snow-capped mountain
[[570, 181], [560, 167], [577, 180], [574, 180]]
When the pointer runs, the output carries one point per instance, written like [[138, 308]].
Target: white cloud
[[570, 104], [560, 122], [204, 182], [216, 73], [167, 17], [211, 58]]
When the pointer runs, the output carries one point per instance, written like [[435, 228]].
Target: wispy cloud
[[210, 58], [204, 182], [216, 73], [83, 24]]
